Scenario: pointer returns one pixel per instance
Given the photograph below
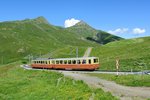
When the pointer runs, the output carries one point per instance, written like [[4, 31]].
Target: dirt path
[[87, 52], [123, 92]]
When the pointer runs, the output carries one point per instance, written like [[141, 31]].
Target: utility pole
[[117, 65]]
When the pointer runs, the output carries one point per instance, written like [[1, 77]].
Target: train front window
[[95, 60]]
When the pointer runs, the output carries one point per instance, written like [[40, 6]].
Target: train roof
[[65, 58]]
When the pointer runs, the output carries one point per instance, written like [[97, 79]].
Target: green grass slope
[[19, 84], [20, 39], [67, 52], [127, 80], [85, 31], [134, 54]]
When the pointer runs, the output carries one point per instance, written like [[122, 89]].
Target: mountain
[[36, 37], [83, 30]]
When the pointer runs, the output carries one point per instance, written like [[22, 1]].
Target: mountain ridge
[[86, 31]]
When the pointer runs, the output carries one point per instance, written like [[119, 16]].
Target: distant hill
[[36, 37], [83, 30], [134, 54]]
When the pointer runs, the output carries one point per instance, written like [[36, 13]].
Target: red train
[[83, 63]]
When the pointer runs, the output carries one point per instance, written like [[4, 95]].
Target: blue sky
[[125, 18]]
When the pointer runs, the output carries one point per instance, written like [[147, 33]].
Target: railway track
[[76, 71]]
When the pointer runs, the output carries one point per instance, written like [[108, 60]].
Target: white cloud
[[138, 31], [119, 31], [71, 22]]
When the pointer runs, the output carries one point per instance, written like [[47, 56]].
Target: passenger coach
[[84, 63]]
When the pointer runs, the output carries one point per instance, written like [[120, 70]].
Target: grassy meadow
[[127, 80], [19, 84], [67, 52]]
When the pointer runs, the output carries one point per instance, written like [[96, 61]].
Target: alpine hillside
[[133, 54], [23, 38], [34, 36]]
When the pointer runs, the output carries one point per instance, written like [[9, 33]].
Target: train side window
[[84, 62], [53, 62], [61, 62], [65, 61], [45, 62], [69, 61], [78, 62], [74, 62], [49, 62], [95, 60], [57, 62], [89, 61]]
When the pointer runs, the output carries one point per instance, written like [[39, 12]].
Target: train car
[[83, 63]]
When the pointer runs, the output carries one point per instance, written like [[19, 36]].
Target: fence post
[[117, 65]]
